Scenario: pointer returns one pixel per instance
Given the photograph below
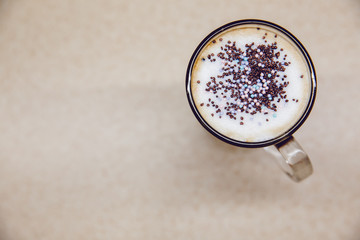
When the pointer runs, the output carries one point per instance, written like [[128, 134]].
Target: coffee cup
[[252, 84]]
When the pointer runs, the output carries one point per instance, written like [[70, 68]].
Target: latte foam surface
[[251, 83]]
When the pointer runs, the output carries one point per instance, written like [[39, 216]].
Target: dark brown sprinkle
[[267, 120], [212, 114], [201, 104], [214, 41], [220, 39], [208, 105], [275, 35], [286, 100], [198, 81], [297, 100], [231, 86], [281, 49], [302, 76]]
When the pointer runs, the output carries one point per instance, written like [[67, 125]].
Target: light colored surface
[[98, 142]]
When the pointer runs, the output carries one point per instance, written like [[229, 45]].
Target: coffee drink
[[250, 83]]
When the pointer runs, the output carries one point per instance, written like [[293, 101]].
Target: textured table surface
[[97, 140]]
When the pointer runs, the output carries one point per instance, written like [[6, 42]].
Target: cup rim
[[224, 138]]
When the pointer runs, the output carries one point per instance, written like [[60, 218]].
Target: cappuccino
[[250, 83]]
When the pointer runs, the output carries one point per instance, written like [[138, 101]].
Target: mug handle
[[292, 159]]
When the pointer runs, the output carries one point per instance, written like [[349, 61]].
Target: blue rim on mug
[[238, 143]]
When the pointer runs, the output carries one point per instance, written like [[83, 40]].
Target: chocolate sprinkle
[[251, 80]]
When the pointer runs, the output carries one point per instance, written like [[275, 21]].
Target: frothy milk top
[[251, 83]]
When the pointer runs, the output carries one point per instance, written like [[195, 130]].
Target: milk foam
[[258, 127]]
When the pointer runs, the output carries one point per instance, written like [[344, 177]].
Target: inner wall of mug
[[258, 134]]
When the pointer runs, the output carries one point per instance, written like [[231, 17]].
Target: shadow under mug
[[291, 157]]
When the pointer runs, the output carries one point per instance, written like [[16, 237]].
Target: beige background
[[97, 140]]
